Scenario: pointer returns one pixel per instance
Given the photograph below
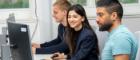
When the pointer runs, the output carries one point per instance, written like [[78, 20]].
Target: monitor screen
[[19, 41]]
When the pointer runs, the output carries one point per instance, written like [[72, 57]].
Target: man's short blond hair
[[63, 4]]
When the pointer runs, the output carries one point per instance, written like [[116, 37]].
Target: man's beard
[[106, 26]]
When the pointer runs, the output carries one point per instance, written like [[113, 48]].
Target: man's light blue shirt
[[120, 41]]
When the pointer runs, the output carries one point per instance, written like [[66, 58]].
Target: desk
[[42, 56]]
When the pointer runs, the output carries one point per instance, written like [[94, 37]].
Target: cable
[[36, 26]]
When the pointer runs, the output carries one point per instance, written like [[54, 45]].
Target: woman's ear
[[83, 19]]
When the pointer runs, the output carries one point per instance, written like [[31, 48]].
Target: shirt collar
[[114, 30]]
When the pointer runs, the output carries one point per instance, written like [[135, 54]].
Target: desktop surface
[[42, 57]]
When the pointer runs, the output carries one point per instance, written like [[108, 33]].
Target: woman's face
[[74, 19]]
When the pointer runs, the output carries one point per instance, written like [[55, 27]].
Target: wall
[[45, 20]]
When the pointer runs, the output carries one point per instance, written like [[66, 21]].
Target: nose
[[53, 15], [70, 19], [97, 20]]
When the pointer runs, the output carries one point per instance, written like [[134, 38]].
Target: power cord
[[37, 20]]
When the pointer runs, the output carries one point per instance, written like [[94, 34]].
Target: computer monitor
[[19, 41]]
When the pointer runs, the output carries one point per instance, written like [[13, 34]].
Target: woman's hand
[[59, 56], [35, 45]]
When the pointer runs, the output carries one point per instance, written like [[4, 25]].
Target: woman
[[79, 36]]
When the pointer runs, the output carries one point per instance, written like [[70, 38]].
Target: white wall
[[45, 20]]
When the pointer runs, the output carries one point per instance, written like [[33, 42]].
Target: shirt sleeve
[[56, 45], [121, 44], [56, 40], [62, 47], [51, 43]]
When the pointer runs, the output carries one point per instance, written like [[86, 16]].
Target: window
[[88, 2], [14, 4], [128, 1], [82, 2], [85, 3], [128, 5], [22, 9]]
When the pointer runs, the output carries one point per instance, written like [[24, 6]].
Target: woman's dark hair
[[71, 34]]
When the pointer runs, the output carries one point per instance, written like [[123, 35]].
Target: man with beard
[[121, 43]]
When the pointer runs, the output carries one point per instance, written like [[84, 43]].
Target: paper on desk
[[42, 57]]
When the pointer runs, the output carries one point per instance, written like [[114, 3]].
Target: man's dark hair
[[111, 6]]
